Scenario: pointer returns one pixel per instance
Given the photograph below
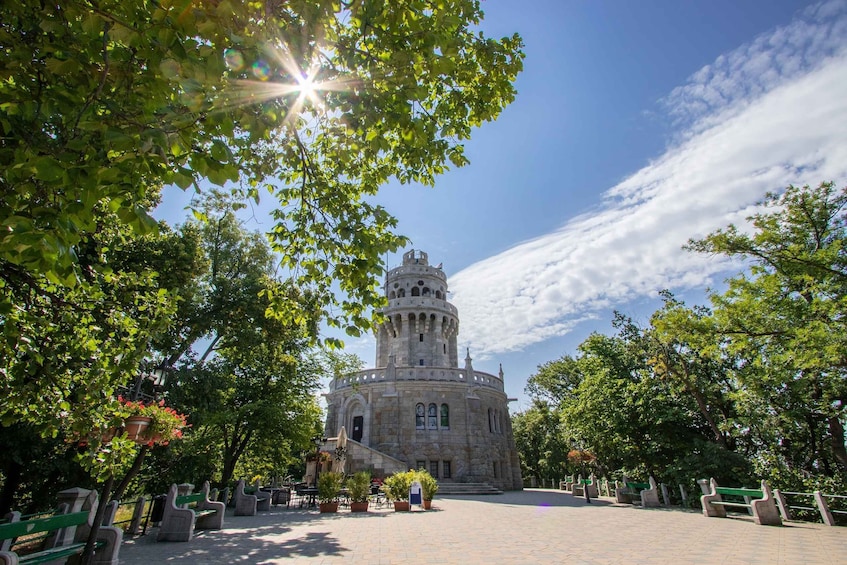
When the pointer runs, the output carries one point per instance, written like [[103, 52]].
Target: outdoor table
[[277, 493], [311, 493]]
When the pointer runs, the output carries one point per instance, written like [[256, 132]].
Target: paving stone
[[532, 526]]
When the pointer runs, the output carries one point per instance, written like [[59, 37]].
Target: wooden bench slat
[[54, 553], [37, 525], [740, 492], [189, 498]]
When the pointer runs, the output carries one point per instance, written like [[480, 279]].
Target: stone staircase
[[448, 489]]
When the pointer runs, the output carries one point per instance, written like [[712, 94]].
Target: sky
[[637, 126]]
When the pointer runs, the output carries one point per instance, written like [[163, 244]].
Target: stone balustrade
[[414, 302], [442, 374], [417, 269]]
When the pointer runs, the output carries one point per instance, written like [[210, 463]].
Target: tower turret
[[420, 326]]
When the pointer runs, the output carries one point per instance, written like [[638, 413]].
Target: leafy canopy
[[317, 102]]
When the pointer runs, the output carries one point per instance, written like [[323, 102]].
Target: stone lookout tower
[[418, 408]]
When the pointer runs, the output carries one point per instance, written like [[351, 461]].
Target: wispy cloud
[[768, 114]]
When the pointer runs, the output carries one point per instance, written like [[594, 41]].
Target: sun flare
[[280, 76], [307, 86]]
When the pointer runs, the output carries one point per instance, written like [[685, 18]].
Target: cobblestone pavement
[[533, 526]]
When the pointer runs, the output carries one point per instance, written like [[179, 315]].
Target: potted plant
[[397, 488], [429, 486], [151, 423], [329, 484], [359, 486]]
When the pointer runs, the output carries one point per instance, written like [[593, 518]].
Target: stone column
[[74, 498]]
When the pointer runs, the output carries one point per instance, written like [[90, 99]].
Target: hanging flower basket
[[106, 436], [136, 428], [153, 423]]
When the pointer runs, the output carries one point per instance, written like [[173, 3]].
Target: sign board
[[416, 494]]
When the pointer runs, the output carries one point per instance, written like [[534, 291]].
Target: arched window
[[445, 416], [392, 295], [425, 291], [490, 421], [438, 294], [419, 416], [401, 293], [416, 291], [432, 416]]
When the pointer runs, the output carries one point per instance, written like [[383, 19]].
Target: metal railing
[[818, 499]]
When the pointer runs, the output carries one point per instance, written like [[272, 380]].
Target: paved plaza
[[533, 526]]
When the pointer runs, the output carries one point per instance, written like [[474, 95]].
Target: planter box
[[328, 507], [359, 506], [136, 428], [401, 505]]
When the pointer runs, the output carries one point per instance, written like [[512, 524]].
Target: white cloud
[[768, 114]]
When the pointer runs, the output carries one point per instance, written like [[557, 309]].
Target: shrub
[[428, 483], [397, 485], [329, 484], [359, 486]]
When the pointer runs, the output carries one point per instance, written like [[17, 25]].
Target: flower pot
[[427, 504], [136, 428], [328, 507], [359, 506], [401, 505]]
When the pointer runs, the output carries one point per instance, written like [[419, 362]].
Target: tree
[[679, 341], [632, 419], [541, 441], [66, 349], [254, 401], [104, 103], [229, 298], [787, 320], [319, 103]]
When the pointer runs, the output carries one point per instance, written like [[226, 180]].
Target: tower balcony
[[415, 270], [415, 303], [441, 374]]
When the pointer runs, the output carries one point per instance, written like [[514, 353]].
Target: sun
[[307, 86]]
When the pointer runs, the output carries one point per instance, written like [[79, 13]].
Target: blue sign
[[416, 494]]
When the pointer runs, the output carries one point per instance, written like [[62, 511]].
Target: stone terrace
[[533, 526]]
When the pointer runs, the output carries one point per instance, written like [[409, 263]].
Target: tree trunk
[[133, 471], [11, 482], [105, 495], [836, 431]]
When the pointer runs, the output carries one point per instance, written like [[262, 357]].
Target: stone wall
[[478, 445]]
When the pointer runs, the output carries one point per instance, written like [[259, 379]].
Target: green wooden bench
[[579, 486], [191, 501], [760, 503], [632, 492], [248, 500], [183, 513], [263, 498], [47, 525]]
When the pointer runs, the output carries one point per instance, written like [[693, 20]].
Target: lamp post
[[318, 441], [157, 376], [585, 492]]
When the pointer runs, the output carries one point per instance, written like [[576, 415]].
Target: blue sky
[[637, 125]]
